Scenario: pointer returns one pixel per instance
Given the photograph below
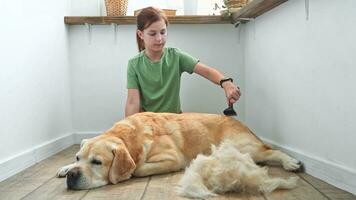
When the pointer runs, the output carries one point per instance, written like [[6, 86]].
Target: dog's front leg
[[62, 172], [159, 164]]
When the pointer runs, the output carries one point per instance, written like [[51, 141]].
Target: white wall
[[99, 70], [34, 81], [300, 84]]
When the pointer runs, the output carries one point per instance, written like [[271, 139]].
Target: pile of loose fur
[[227, 169]]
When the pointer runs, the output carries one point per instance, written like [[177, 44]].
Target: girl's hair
[[145, 18]]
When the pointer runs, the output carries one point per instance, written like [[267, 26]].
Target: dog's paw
[[291, 164], [62, 172]]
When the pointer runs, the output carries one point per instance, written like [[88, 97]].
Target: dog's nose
[[73, 177]]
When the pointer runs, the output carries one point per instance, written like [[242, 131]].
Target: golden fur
[[154, 143], [227, 169]]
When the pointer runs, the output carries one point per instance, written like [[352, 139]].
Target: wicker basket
[[235, 3], [116, 7]]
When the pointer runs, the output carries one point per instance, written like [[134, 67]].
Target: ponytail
[[140, 43]]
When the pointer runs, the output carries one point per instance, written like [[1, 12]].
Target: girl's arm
[[132, 102], [232, 92]]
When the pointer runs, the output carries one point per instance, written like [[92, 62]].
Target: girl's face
[[154, 36]]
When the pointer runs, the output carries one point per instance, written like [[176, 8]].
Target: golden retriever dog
[[227, 169], [154, 143]]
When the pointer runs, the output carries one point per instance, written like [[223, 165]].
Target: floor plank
[[163, 187], [328, 190], [303, 191], [131, 189], [55, 188]]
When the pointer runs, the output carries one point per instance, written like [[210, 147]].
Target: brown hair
[[145, 18]]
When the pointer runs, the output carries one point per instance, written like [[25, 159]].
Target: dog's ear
[[83, 142], [122, 166]]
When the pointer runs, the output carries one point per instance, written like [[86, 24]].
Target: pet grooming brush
[[230, 111]]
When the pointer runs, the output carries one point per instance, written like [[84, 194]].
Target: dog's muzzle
[[73, 178]]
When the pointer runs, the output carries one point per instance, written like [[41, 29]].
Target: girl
[[153, 76]]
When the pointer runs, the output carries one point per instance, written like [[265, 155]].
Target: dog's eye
[[96, 162], [77, 157]]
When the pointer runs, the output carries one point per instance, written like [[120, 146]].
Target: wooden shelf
[[255, 8], [252, 10], [194, 19]]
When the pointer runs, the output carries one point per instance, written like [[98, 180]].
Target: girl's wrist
[[226, 85], [224, 81]]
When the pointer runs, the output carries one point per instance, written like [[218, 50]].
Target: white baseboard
[[52, 147], [21, 161], [16, 164], [332, 173]]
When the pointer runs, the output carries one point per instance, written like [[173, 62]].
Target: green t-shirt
[[159, 81]]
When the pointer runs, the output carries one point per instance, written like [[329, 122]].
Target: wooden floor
[[39, 182]]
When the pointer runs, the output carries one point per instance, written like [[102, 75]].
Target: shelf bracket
[[88, 27], [114, 27], [307, 9], [242, 20]]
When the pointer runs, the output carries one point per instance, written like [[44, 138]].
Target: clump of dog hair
[[227, 169]]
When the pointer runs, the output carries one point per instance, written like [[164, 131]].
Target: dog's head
[[101, 160]]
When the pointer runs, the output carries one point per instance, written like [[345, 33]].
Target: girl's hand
[[232, 92]]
